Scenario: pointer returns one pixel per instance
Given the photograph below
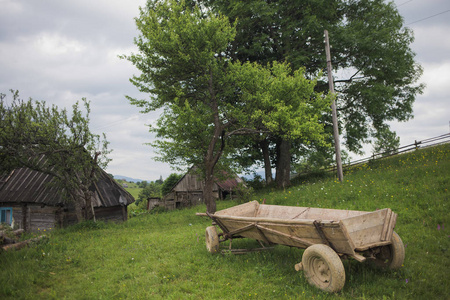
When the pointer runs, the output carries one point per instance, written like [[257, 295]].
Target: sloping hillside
[[163, 256]]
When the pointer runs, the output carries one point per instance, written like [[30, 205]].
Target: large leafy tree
[[207, 98], [377, 76], [50, 140]]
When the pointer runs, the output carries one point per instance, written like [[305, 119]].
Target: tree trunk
[[215, 150], [283, 166], [208, 193], [267, 164], [89, 209], [78, 210]]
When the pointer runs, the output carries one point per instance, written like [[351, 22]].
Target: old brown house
[[189, 190], [29, 201]]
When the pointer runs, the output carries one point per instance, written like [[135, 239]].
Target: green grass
[[163, 256], [134, 191], [132, 188]]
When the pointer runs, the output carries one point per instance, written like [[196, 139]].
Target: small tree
[[169, 183], [144, 184], [387, 142], [48, 140], [153, 189]]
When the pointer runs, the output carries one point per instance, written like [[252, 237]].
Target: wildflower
[[406, 280]]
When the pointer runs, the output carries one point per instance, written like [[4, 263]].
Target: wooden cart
[[327, 235]]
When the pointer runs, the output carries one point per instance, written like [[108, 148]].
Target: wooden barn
[[189, 190], [28, 201]]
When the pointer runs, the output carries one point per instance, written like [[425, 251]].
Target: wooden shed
[[29, 201], [189, 190]]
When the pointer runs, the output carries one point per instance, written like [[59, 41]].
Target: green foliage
[[244, 193], [279, 101], [387, 142], [208, 97], [256, 183], [169, 183], [153, 189], [54, 142], [377, 79], [143, 184], [368, 42], [163, 256]]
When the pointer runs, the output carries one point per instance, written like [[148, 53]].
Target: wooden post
[[337, 146], [25, 217], [124, 213]]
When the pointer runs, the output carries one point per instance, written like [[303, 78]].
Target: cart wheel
[[393, 255], [323, 268], [212, 239]]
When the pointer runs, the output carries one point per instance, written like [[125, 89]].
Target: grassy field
[[163, 256], [132, 187]]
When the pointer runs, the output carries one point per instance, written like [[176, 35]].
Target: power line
[[443, 12], [404, 3], [114, 123]]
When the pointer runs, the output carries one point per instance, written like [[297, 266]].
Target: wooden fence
[[434, 141]]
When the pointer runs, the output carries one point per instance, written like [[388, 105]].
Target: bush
[[257, 183], [244, 193]]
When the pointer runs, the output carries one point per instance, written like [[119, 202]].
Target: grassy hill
[[163, 256], [131, 187]]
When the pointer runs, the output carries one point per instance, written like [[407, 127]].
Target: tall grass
[[163, 256]]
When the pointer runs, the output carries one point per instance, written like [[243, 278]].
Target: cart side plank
[[249, 209], [369, 228], [296, 235], [299, 213]]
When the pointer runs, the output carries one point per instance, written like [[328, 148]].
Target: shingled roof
[[24, 185]]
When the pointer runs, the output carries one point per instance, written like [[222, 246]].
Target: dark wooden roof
[[24, 185], [229, 184]]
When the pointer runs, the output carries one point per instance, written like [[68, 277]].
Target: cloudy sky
[[62, 51]]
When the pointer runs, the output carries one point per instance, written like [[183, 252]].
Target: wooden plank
[[293, 212], [365, 221], [303, 242], [359, 257], [385, 230], [366, 228], [242, 229], [350, 243], [244, 210], [275, 221], [369, 236], [372, 245], [244, 251], [322, 235], [392, 223]]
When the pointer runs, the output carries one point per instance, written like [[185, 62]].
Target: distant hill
[[129, 179]]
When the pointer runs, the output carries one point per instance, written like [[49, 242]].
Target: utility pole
[[337, 145]]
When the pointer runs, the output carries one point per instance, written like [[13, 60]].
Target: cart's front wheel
[[323, 268], [393, 255], [212, 239]]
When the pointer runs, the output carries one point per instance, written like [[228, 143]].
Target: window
[[6, 215]]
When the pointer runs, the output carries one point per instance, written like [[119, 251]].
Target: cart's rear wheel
[[391, 256], [212, 239], [323, 268]]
